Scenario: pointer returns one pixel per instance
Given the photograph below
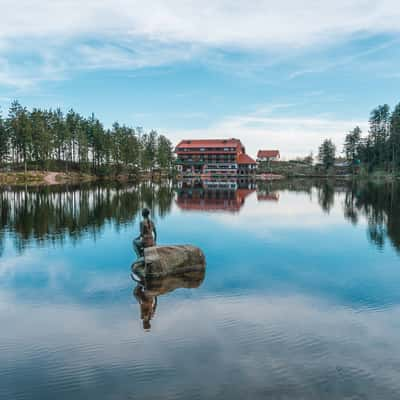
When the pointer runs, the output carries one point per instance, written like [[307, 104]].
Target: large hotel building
[[214, 157]]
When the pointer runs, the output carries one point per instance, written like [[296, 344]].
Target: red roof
[[214, 143], [245, 159], [243, 193], [268, 153]]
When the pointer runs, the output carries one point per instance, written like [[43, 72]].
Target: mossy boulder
[[162, 261]]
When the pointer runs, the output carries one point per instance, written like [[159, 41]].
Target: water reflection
[[267, 192], [297, 304], [326, 196], [147, 303], [53, 214], [213, 195], [147, 292], [56, 214], [380, 204]]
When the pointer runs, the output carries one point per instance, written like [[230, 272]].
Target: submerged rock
[[162, 261]]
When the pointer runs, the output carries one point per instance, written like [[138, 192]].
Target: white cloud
[[212, 23], [260, 130], [64, 35], [343, 61]]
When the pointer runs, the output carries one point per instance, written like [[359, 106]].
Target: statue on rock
[[147, 236], [160, 261]]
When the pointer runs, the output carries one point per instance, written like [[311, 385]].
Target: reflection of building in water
[[267, 191], [146, 293], [265, 196], [214, 195]]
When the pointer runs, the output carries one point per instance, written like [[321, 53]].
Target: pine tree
[[4, 143], [164, 154], [326, 154], [149, 149], [379, 132], [352, 145], [394, 138], [39, 137], [20, 134]]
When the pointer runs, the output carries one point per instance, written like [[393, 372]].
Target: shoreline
[[41, 178], [52, 178]]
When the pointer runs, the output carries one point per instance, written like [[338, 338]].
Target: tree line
[[378, 150], [49, 139]]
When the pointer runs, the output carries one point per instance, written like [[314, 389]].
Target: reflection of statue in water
[[148, 305], [146, 292]]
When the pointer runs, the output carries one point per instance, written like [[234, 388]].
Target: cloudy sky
[[275, 74]]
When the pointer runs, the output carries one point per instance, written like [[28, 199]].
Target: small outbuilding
[[268, 155]]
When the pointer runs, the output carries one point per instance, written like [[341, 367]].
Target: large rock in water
[[171, 260]]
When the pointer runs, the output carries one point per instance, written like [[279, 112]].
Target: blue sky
[[275, 74]]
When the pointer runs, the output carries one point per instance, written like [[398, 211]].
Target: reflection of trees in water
[[326, 195], [380, 203], [52, 214], [325, 189], [4, 215], [350, 210]]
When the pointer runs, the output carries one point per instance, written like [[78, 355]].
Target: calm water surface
[[301, 297]]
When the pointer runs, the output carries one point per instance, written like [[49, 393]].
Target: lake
[[300, 299]]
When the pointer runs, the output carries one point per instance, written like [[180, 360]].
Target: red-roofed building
[[246, 165], [213, 157], [268, 155]]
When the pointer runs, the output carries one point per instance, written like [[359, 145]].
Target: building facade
[[214, 157]]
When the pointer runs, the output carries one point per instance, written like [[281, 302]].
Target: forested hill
[[49, 139]]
